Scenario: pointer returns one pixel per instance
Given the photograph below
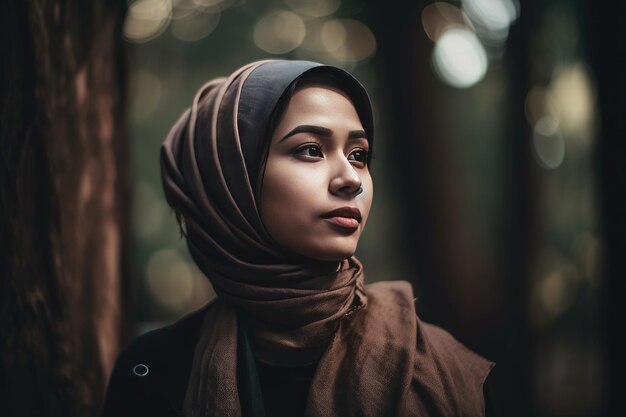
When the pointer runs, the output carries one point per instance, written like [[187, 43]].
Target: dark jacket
[[166, 354], [151, 374]]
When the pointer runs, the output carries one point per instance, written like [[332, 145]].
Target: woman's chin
[[333, 254], [326, 249]]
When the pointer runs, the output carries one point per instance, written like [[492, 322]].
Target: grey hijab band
[[263, 89]]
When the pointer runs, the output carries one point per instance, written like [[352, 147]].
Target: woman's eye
[[359, 156], [310, 150]]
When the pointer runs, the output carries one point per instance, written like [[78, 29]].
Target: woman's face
[[315, 165]]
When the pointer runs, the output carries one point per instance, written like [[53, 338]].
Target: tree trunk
[[605, 24], [460, 286], [64, 200]]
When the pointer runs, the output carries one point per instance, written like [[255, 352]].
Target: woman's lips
[[346, 217], [346, 222]]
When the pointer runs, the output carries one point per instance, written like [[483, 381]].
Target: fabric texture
[[296, 310], [168, 353], [206, 180]]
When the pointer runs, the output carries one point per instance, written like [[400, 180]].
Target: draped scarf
[[292, 304], [296, 310]]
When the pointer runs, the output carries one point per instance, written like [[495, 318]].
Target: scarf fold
[[209, 161], [381, 361]]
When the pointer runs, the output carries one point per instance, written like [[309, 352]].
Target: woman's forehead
[[317, 104]]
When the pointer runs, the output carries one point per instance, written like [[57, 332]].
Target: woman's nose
[[346, 180]]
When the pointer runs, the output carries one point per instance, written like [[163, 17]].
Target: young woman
[[268, 174]]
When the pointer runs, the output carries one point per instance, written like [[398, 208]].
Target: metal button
[[140, 370]]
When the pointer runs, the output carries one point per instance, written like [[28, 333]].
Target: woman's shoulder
[[158, 342], [431, 336], [395, 299], [458, 360], [151, 373], [447, 375]]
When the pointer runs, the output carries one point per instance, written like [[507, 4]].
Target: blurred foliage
[[177, 45], [173, 53]]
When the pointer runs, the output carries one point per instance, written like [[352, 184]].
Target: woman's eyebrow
[[322, 131]]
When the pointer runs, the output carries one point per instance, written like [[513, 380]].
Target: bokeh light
[[184, 8], [573, 96], [588, 250], [548, 143], [314, 8], [344, 42], [554, 293], [537, 105], [196, 26], [333, 35], [439, 16], [279, 32], [170, 279], [147, 19], [312, 43], [192, 20], [211, 3], [459, 58], [348, 40], [493, 15]]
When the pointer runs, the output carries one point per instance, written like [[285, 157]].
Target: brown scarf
[[297, 310]]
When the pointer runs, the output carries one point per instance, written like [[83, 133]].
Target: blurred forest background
[[498, 173]]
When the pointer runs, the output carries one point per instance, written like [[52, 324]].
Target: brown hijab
[[296, 310]]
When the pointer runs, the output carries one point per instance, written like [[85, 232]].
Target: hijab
[[296, 310]]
